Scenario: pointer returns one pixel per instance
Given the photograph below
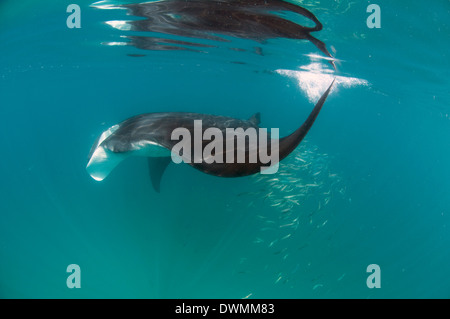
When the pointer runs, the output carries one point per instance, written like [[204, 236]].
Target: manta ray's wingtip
[[157, 167]]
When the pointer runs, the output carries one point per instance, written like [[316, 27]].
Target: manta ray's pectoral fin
[[157, 166], [255, 119]]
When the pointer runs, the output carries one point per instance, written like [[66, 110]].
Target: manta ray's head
[[108, 151], [101, 160]]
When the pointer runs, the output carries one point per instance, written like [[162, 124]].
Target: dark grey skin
[[157, 128], [207, 19]]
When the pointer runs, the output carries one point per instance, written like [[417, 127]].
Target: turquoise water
[[371, 181]]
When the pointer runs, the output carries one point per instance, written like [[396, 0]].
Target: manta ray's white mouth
[[98, 166], [102, 161]]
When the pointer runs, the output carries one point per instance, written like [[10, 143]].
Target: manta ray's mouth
[[102, 160]]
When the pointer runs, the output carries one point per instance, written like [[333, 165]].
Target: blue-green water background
[[388, 143]]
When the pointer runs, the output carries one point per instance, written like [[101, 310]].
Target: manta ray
[[257, 20], [151, 135]]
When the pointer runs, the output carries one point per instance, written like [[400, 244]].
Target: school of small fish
[[297, 196]]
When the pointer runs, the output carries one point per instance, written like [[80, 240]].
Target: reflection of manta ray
[[257, 20], [150, 134]]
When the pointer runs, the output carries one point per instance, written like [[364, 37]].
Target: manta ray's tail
[[290, 142], [322, 47]]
